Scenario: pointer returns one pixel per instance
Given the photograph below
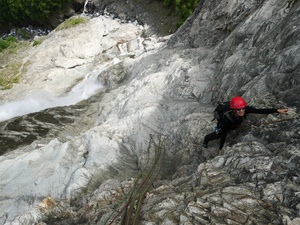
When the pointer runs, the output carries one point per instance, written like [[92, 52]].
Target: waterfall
[[88, 5], [43, 99]]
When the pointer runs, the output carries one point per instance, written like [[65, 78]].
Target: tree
[[24, 12]]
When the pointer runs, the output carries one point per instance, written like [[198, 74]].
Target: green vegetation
[[9, 75], [23, 12], [11, 67], [183, 7], [6, 42], [71, 22], [36, 42]]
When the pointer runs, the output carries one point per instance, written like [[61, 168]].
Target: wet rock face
[[153, 14], [255, 47], [24, 130], [247, 183], [88, 169]]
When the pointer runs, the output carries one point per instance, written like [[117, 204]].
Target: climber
[[234, 118]]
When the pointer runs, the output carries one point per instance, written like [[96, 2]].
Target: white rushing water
[[43, 100]]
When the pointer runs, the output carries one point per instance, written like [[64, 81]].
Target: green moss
[[37, 42], [71, 22], [7, 42], [12, 67]]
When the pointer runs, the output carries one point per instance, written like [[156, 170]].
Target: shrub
[[6, 42], [11, 64], [36, 42], [71, 22], [23, 12]]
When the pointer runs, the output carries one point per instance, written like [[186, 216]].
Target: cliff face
[[134, 148], [254, 47], [159, 19]]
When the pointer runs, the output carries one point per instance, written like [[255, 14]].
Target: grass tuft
[[71, 22]]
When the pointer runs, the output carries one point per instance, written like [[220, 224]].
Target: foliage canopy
[[24, 12], [71, 22]]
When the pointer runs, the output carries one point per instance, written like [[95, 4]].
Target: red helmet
[[237, 103]]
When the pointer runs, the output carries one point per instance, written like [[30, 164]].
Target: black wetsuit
[[231, 122]]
